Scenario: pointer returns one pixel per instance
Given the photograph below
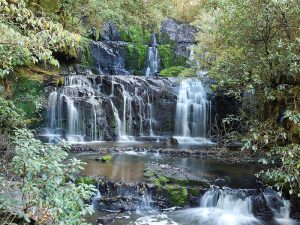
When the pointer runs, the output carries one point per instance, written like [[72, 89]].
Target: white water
[[146, 206], [63, 113], [192, 112], [66, 116], [220, 207], [153, 58]]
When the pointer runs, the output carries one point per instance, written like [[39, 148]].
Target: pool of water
[[228, 210], [129, 167]]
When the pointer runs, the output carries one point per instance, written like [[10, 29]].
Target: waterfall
[[230, 207], [64, 114], [192, 112], [152, 57], [78, 110], [146, 205]]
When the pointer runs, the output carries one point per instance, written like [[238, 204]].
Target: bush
[[106, 158], [11, 117], [172, 71], [44, 181]]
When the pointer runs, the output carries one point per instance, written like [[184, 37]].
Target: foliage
[[287, 175], [166, 53], [172, 71], [254, 45], [11, 117], [86, 180], [44, 181], [28, 95], [188, 72], [135, 35], [106, 158], [27, 38]]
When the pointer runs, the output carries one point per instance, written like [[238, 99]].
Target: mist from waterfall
[[192, 112]]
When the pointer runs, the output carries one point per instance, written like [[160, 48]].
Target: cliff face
[[118, 52]]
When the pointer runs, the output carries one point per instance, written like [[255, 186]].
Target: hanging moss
[[84, 55], [167, 55], [136, 58], [135, 35]]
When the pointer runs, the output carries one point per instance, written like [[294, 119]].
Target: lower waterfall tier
[[127, 108]]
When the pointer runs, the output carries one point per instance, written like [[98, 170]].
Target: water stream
[[230, 205], [152, 57], [192, 112]]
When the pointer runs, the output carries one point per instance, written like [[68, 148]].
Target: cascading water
[[64, 114], [75, 110], [229, 207], [192, 112], [153, 57]]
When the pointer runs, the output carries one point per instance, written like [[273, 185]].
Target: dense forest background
[[249, 48]]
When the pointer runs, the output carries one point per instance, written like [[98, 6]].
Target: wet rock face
[[122, 197], [108, 105], [109, 57], [261, 209], [109, 32], [181, 33]]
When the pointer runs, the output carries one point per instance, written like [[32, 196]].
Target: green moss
[[188, 72], [106, 158], [27, 93], [180, 60], [84, 55], [172, 71], [178, 195], [113, 122], [86, 180], [50, 6], [136, 57], [167, 55], [135, 35], [194, 192]]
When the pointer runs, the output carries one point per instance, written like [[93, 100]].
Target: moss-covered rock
[[83, 53], [136, 58], [178, 195], [167, 55], [172, 71], [135, 35]]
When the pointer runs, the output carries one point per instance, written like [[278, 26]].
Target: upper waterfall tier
[[96, 108], [153, 60]]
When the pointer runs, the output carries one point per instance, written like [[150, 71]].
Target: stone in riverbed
[[105, 220], [170, 142]]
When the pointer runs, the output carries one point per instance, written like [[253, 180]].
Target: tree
[[254, 45], [26, 38]]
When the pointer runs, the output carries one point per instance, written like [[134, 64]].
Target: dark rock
[[170, 142], [234, 146], [106, 220], [261, 209], [109, 32], [109, 57], [181, 33]]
